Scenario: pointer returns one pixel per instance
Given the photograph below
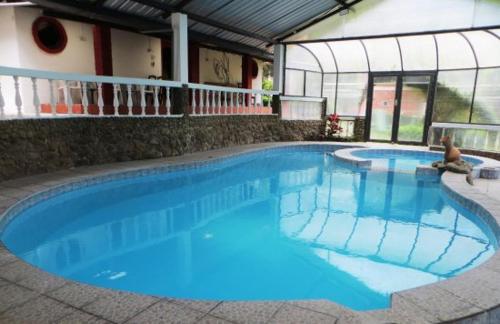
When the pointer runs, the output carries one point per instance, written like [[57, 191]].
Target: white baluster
[[225, 102], [18, 100], [213, 102], [68, 98], [116, 102], [85, 99], [168, 105], [130, 102], [270, 98], [53, 107], [207, 101], [193, 101], [36, 99], [100, 101], [231, 102], [156, 102], [219, 102], [237, 103], [202, 105], [2, 104], [143, 101]]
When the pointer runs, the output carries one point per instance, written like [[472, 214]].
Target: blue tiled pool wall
[[181, 168], [368, 153]]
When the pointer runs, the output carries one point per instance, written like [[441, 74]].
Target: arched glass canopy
[[466, 66]]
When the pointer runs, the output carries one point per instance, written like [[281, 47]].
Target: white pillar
[[278, 66], [180, 47]]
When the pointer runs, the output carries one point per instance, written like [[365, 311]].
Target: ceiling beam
[[182, 4], [207, 21]]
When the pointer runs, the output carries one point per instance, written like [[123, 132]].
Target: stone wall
[[43, 145]]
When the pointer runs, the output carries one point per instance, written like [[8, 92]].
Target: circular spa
[[278, 224]]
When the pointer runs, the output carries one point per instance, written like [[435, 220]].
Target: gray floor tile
[[42, 281], [167, 312], [209, 319], [78, 295], [40, 310], [6, 257], [480, 287], [79, 317], [119, 306], [16, 271], [246, 312], [441, 303], [199, 305], [289, 314], [13, 295]]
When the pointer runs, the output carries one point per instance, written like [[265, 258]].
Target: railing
[[35, 93], [467, 136], [26, 93], [302, 108], [217, 100]]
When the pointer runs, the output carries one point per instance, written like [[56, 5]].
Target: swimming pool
[[403, 160], [274, 225]]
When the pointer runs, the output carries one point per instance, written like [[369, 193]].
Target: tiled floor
[[29, 295]]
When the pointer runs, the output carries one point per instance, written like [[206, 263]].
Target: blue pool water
[[403, 160], [273, 225]]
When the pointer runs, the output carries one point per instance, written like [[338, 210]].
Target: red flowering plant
[[332, 126]]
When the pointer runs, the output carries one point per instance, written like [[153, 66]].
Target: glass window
[[454, 52], [419, 52], [487, 99], [313, 84], [383, 54], [294, 82], [486, 46], [453, 96], [351, 95], [350, 56], [329, 90], [324, 56], [298, 57]]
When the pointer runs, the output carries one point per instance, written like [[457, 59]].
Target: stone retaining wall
[[43, 145]]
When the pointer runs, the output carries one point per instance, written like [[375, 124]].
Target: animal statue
[[451, 153], [452, 160]]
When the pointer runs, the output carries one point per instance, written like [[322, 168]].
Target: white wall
[[135, 55], [9, 54], [78, 56]]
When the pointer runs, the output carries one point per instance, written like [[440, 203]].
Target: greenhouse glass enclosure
[[404, 83]]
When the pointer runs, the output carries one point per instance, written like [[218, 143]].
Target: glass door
[[398, 107], [413, 108], [383, 104]]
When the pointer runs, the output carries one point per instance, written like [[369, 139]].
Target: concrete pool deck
[[30, 295]]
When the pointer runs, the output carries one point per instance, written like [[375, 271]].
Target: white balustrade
[[75, 95]]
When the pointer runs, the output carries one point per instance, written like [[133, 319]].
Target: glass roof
[[442, 51], [383, 17]]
